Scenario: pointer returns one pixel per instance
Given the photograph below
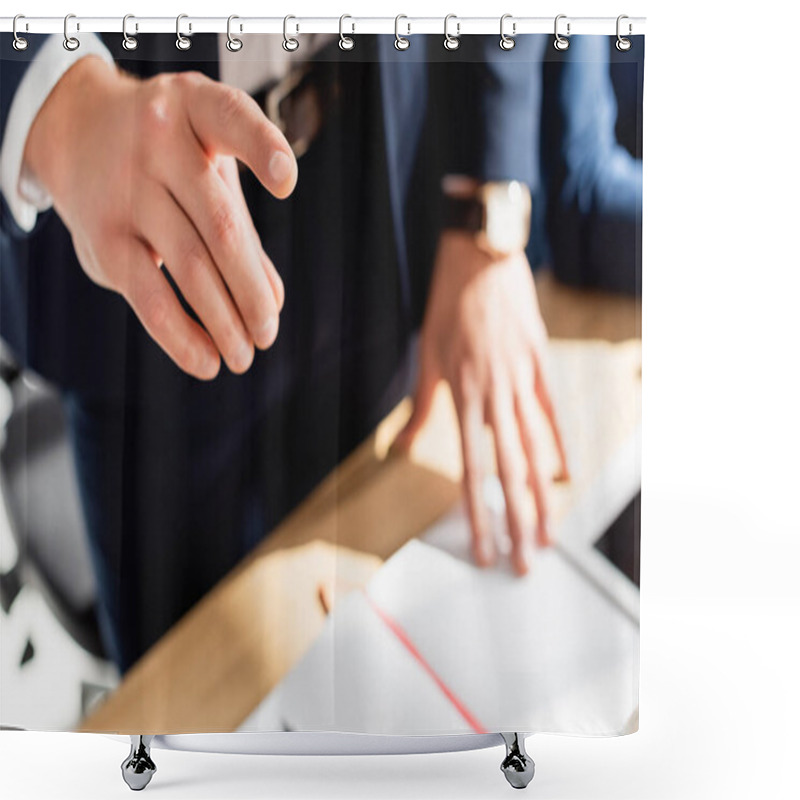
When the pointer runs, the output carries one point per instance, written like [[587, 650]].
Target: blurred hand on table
[[483, 333]]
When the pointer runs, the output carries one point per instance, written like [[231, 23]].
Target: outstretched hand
[[143, 172]]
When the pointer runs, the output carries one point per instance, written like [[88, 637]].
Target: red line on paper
[[395, 627]]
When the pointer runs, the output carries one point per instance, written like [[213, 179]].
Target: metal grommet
[[289, 44], [128, 42], [452, 42], [623, 44], [70, 42], [346, 42], [233, 44], [400, 42], [560, 42], [20, 43], [182, 42], [507, 42]]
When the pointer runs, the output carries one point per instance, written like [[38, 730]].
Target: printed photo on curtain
[[321, 382]]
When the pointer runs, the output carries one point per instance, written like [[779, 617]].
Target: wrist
[[472, 252], [59, 126]]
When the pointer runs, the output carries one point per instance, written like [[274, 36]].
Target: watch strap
[[463, 214]]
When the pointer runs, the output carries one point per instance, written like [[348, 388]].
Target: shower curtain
[[321, 382]]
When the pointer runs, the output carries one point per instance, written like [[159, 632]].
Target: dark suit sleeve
[[594, 184], [13, 65], [495, 99]]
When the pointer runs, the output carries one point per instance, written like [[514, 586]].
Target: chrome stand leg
[[517, 766], [138, 768]]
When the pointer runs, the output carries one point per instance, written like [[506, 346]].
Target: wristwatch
[[497, 213]]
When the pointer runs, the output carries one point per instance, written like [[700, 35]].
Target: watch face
[[508, 214]]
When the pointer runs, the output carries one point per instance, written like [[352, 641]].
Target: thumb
[[423, 401]]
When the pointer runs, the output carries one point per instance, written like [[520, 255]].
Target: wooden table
[[210, 671]]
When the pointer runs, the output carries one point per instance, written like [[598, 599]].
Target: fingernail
[[485, 551], [268, 333], [281, 292], [243, 357], [561, 475], [280, 167], [209, 365], [527, 556]]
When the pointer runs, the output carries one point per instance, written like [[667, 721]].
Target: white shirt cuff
[[23, 193]]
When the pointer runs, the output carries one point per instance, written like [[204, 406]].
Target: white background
[[721, 525]]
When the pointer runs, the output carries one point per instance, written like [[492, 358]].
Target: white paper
[[544, 652]]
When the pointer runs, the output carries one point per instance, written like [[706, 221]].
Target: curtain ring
[[128, 42], [289, 44], [400, 42], [623, 44], [20, 43], [452, 42], [70, 42], [560, 42], [182, 42], [233, 44], [346, 42], [507, 42]]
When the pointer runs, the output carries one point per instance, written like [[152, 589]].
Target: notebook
[[436, 645]]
